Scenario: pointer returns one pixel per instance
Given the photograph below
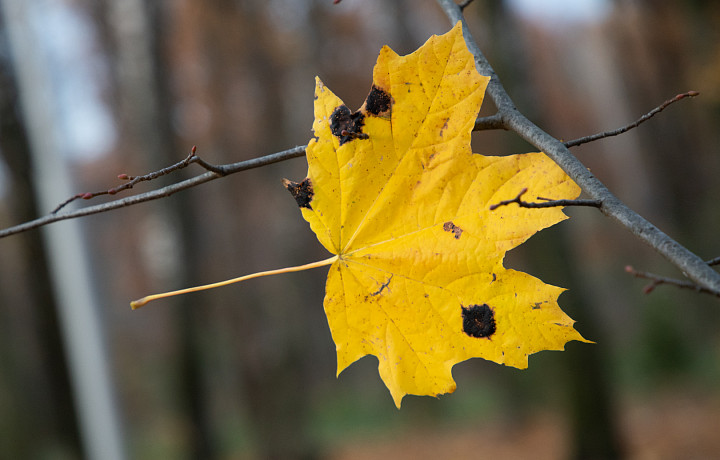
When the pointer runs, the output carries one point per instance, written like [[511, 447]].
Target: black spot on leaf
[[346, 125], [478, 320], [301, 191], [378, 102]]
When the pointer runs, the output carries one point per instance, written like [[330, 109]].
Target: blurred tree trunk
[[595, 431], [40, 420], [245, 93], [138, 30], [193, 321]]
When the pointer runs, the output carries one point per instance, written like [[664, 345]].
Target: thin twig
[[635, 124], [160, 193], [464, 4], [497, 122], [657, 280], [688, 262], [132, 180], [715, 261], [547, 203], [489, 122]]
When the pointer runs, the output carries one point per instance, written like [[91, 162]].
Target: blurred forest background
[[91, 89]]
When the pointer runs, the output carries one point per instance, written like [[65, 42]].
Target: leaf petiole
[[321, 263]]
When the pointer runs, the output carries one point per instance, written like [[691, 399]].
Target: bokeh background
[[91, 89]]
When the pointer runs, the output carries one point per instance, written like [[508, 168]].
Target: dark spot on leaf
[[478, 320], [494, 278], [378, 102], [301, 191], [347, 126], [537, 306], [454, 229]]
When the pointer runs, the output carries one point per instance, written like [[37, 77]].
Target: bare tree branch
[[222, 170], [635, 124], [689, 263]]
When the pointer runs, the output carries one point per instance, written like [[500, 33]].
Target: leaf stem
[[321, 263]]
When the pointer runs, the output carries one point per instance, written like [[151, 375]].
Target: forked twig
[[546, 203], [132, 180], [657, 280], [226, 169]]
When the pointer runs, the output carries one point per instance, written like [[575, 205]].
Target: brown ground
[[673, 428]]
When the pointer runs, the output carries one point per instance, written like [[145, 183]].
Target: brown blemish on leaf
[[454, 229], [347, 126], [301, 191], [378, 102], [444, 127], [478, 320]]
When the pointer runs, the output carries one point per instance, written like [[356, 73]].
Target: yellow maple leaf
[[396, 193]]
